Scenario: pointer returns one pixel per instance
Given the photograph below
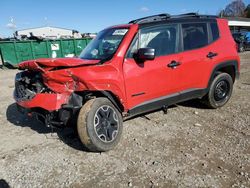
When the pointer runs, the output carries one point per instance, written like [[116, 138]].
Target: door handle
[[210, 55], [174, 64]]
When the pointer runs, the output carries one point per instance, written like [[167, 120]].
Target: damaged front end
[[53, 106], [35, 98], [55, 89]]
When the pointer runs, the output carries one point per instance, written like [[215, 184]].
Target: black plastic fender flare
[[233, 63]]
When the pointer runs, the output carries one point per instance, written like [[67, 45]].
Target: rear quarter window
[[214, 31]]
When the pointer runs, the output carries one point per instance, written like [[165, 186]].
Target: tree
[[235, 9], [247, 11], [221, 13]]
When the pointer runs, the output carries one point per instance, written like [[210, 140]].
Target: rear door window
[[195, 35]]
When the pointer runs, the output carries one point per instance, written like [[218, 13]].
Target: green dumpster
[[14, 52]]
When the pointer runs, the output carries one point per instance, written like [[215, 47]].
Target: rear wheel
[[99, 125], [220, 91]]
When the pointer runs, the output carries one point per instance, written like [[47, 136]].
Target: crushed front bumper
[[47, 101], [34, 98]]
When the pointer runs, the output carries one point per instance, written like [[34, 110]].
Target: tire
[[220, 91], [99, 125]]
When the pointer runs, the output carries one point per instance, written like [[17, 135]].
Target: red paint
[[44, 64], [46, 101], [124, 77]]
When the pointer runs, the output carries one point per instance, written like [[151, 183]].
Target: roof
[[238, 21], [45, 27]]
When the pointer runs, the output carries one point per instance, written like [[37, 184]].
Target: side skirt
[[162, 102]]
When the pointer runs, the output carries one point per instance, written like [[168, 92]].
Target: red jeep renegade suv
[[127, 70]]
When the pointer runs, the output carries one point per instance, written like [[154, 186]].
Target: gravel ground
[[191, 146]]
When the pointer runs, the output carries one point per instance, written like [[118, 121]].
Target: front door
[[152, 79]]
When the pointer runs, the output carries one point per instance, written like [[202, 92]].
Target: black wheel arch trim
[[77, 99], [113, 100], [225, 64]]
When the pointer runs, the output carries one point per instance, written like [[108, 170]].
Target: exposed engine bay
[[28, 84]]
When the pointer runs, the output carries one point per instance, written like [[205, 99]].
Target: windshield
[[104, 45]]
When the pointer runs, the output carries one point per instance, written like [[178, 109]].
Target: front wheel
[[220, 91], [99, 125]]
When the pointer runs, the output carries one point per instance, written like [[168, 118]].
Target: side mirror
[[144, 54]]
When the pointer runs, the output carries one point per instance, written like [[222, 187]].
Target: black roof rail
[[161, 17], [158, 17], [190, 14], [193, 14]]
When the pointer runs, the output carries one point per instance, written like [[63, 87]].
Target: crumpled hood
[[44, 64]]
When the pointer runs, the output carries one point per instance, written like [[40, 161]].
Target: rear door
[[195, 63]]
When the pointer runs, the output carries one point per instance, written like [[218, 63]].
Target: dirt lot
[[191, 146]]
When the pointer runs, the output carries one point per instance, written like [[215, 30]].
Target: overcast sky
[[93, 15]]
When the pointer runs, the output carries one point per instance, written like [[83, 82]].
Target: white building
[[49, 32], [238, 24]]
